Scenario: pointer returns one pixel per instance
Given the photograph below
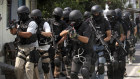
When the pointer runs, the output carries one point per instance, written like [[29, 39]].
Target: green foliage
[[47, 6]]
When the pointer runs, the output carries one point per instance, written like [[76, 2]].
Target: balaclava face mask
[[23, 17]]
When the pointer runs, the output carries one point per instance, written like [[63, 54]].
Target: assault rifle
[[115, 37], [12, 24], [99, 36]]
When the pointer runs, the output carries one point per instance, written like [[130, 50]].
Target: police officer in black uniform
[[27, 42], [43, 34], [117, 65], [57, 26], [82, 45], [126, 32], [131, 36], [103, 27], [119, 18]]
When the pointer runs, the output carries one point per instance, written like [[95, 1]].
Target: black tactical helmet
[[96, 9], [118, 12], [36, 13], [111, 13], [87, 14], [23, 9], [75, 15], [66, 14], [67, 9], [58, 12], [126, 15]]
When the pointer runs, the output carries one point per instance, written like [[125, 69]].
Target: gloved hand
[[73, 34]]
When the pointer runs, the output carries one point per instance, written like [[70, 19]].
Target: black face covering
[[57, 18], [38, 20], [97, 18], [23, 17], [127, 19], [66, 20], [111, 19], [76, 24]]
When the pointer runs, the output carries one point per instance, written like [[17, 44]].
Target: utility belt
[[29, 55]]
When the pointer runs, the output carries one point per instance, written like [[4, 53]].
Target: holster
[[34, 56]]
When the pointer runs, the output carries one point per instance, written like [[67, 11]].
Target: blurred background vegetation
[[47, 6]]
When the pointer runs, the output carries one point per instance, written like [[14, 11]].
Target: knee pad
[[74, 75], [101, 68], [45, 67], [57, 62], [85, 72]]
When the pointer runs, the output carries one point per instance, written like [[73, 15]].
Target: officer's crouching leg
[[57, 62], [45, 65], [19, 66], [76, 65]]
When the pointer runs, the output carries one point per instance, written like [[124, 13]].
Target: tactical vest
[[57, 27], [116, 27], [42, 40], [86, 46], [100, 28], [25, 41]]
